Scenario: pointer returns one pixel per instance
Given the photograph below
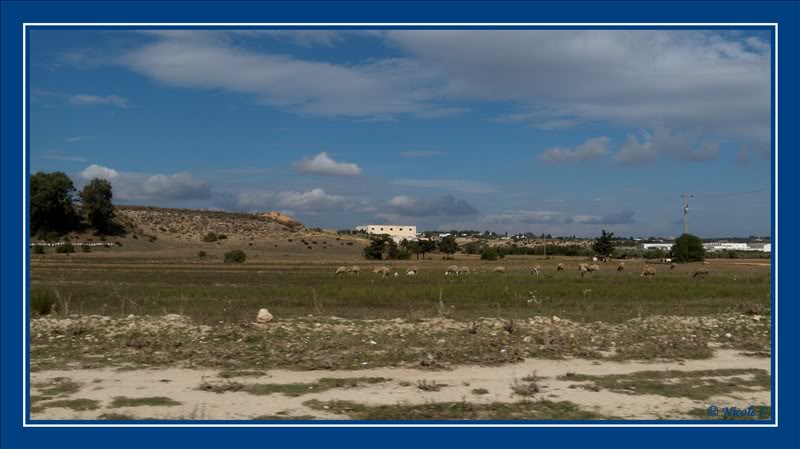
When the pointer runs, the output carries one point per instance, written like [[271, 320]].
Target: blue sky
[[555, 131]]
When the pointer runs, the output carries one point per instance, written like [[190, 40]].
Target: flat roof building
[[397, 232]]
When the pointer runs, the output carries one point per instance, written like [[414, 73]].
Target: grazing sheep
[[560, 267], [621, 266], [700, 272], [594, 259], [463, 270], [501, 270], [648, 271], [583, 268], [383, 271], [673, 266], [341, 270], [355, 269], [396, 274], [411, 271], [705, 263], [593, 268], [535, 270], [452, 269]]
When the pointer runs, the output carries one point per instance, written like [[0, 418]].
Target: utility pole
[[686, 197]]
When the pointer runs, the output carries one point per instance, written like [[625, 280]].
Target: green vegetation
[[201, 254], [51, 201], [37, 249], [235, 256], [698, 385], [523, 410], [43, 302], [96, 201], [480, 391], [604, 244], [78, 405], [65, 248], [448, 246], [292, 390], [154, 401], [210, 237], [491, 253], [688, 248]]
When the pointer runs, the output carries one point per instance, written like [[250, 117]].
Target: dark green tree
[[426, 246], [447, 245], [489, 253], [51, 201], [96, 200], [604, 244], [378, 246], [688, 248]]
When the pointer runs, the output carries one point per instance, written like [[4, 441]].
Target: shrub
[[221, 236], [65, 248], [118, 243], [135, 237], [489, 253], [37, 249], [235, 256], [688, 248], [86, 249], [210, 237], [43, 302], [201, 254]]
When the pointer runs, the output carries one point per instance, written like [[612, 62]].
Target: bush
[[221, 236], [210, 237], [43, 302], [235, 256], [201, 254], [688, 248], [489, 253], [37, 249], [65, 248], [86, 249], [118, 243]]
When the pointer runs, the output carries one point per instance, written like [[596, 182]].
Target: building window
[[381, 229], [391, 229]]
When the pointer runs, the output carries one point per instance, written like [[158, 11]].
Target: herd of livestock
[[583, 268]]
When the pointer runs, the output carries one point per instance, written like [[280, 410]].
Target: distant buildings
[[716, 246], [397, 232]]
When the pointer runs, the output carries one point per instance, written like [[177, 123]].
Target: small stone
[[527, 339], [728, 335], [556, 319], [373, 342], [264, 316]]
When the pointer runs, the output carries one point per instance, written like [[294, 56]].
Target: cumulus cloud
[[663, 141], [591, 149], [314, 199], [177, 186], [91, 100], [98, 171], [447, 205], [322, 164], [142, 186], [538, 217]]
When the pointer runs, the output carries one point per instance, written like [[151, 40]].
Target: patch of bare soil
[[400, 388]]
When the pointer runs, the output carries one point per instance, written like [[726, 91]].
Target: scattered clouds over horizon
[[591, 149], [447, 205], [91, 100], [129, 186]]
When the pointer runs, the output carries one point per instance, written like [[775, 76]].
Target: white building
[[397, 232], [719, 246], [664, 246]]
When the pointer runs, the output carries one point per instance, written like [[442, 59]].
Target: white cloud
[[447, 205], [664, 141], [322, 164], [98, 171], [314, 199], [131, 186], [91, 100], [591, 149], [420, 153]]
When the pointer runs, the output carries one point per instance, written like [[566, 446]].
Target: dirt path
[[182, 385]]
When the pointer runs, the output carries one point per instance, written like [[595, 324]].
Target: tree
[[489, 253], [604, 244], [448, 246], [426, 246], [378, 245], [51, 201], [412, 247], [235, 256], [96, 200], [688, 248]]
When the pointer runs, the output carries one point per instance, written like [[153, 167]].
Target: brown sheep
[[355, 269], [648, 272], [452, 269], [560, 267], [463, 270], [700, 272], [593, 268], [583, 268], [383, 271], [621, 266], [535, 270]]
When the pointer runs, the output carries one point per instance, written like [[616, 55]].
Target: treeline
[[57, 208]]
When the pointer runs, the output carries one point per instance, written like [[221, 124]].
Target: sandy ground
[[181, 385]]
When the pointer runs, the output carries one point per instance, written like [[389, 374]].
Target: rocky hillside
[[192, 224]]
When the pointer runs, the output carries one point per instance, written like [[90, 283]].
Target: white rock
[[172, 317], [263, 316], [527, 339], [728, 335], [556, 319]]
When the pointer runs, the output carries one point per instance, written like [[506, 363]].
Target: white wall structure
[[397, 232], [719, 246], [664, 246]]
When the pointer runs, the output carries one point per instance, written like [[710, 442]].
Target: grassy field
[[211, 292]]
